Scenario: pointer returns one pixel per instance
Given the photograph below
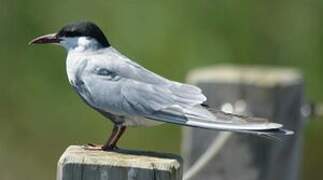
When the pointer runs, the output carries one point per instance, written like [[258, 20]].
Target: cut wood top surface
[[123, 158]]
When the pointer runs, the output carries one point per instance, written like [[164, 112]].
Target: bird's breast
[[75, 66], [76, 69]]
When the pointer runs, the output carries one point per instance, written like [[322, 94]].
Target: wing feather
[[140, 92], [161, 104]]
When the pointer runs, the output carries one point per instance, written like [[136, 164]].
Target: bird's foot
[[109, 148], [98, 147], [92, 147]]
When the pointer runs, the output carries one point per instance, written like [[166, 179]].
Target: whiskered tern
[[130, 95]]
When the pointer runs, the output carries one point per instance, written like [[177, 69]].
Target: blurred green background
[[40, 115]]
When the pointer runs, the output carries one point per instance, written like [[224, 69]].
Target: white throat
[[80, 44]]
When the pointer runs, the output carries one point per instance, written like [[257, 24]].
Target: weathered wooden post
[[274, 93], [77, 163]]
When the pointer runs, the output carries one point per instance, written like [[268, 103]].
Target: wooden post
[[273, 93], [79, 164]]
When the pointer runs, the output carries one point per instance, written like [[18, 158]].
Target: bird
[[130, 95]]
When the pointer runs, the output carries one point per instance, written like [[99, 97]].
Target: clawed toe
[[92, 147], [109, 148]]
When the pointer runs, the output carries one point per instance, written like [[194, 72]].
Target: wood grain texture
[[273, 93], [77, 163]]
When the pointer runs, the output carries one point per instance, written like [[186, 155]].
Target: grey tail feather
[[272, 134]]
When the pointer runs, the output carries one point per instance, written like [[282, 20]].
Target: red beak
[[46, 39]]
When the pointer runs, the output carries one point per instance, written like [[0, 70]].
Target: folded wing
[[159, 99]]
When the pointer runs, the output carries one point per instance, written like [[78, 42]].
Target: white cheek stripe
[[79, 44]]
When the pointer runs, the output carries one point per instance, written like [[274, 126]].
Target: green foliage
[[40, 114]]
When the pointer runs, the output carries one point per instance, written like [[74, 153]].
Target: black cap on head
[[84, 28]]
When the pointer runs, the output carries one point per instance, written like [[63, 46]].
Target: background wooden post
[[79, 164], [274, 93]]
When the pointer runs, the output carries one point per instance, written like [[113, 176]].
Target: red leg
[[117, 132]]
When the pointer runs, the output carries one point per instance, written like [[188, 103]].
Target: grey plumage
[[110, 82], [131, 95]]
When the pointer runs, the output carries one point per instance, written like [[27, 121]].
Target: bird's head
[[79, 35]]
